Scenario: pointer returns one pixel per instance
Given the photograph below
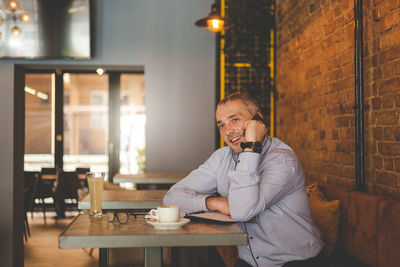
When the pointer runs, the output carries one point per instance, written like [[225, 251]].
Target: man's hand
[[255, 130], [220, 204]]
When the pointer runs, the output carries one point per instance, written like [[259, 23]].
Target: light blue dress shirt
[[268, 186]]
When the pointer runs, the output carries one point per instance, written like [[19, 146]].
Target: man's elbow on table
[[241, 215]]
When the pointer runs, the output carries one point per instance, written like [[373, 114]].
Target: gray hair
[[250, 104]]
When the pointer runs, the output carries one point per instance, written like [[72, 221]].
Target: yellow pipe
[[222, 64]]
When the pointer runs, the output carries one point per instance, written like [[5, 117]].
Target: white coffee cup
[[165, 213]]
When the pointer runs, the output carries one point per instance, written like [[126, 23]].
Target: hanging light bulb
[[24, 17], [15, 30], [13, 5], [215, 25], [214, 22]]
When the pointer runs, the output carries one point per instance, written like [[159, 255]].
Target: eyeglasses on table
[[122, 217]]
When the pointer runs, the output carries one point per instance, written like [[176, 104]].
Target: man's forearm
[[220, 204]]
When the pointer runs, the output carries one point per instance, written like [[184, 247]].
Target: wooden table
[[53, 177], [88, 232], [49, 177], [127, 199], [152, 179]]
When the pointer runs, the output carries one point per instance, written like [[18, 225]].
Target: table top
[[127, 199], [149, 178], [81, 176], [49, 176], [88, 232]]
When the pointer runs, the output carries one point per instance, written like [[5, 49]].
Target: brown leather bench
[[369, 231], [369, 228]]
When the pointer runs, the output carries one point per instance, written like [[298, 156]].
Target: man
[[258, 181]]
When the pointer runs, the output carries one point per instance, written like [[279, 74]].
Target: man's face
[[230, 118]]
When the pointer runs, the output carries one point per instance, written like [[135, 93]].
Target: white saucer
[[169, 226]]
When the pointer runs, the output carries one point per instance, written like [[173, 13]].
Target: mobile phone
[[257, 117]]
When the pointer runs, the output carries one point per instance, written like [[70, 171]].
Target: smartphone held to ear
[[257, 117]]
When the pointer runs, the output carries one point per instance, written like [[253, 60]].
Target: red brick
[[396, 36], [376, 2], [377, 73], [348, 70], [390, 54], [397, 165], [342, 121], [346, 147], [387, 101], [388, 133], [333, 63], [387, 191], [376, 103], [345, 158], [388, 164], [349, 16], [345, 109], [345, 84], [386, 178], [335, 75], [389, 149], [378, 133], [397, 134], [386, 41], [378, 162], [396, 68], [347, 57], [388, 70], [386, 118], [346, 171]]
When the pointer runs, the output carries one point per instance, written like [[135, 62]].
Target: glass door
[[83, 119], [85, 115], [39, 121], [132, 124]]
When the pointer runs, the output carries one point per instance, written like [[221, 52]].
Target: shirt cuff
[[248, 161], [199, 203]]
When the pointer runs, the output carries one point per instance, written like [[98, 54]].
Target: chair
[[82, 182], [30, 187], [44, 190], [67, 188]]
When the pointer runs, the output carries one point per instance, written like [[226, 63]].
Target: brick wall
[[315, 85]]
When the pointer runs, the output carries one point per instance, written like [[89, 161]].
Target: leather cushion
[[326, 215], [389, 233]]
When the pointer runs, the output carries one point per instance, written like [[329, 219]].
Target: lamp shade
[[214, 22]]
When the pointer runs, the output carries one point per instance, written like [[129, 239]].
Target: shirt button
[[238, 160], [251, 237], [257, 257]]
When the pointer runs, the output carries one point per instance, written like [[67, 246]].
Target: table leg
[[103, 257], [153, 257], [174, 256]]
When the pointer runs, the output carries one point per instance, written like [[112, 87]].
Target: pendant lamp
[[214, 22]]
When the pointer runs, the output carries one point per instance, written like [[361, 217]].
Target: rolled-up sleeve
[[191, 192], [257, 183]]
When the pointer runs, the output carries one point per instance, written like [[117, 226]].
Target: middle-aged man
[[259, 179]]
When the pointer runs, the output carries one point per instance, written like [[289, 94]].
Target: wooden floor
[[41, 249]]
